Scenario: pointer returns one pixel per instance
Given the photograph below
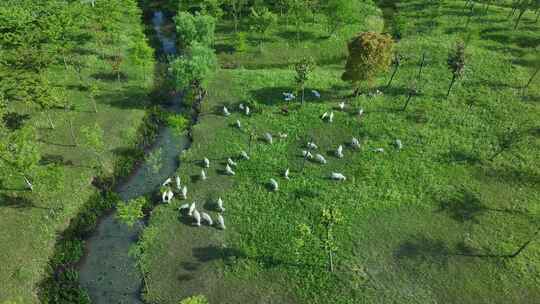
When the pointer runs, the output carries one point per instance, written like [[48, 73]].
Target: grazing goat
[[192, 208], [307, 154], [355, 143], [360, 112], [244, 155], [220, 205], [170, 195], [286, 174], [203, 175], [178, 184], [206, 162], [324, 115], [274, 185], [197, 218], [339, 151], [268, 138], [164, 196], [338, 176], [379, 150], [247, 111], [226, 112], [166, 182], [320, 158], [399, 144], [331, 117], [316, 93], [183, 206], [229, 171], [205, 217], [282, 135], [341, 105], [288, 96], [241, 106], [312, 146], [220, 222], [184, 192], [238, 124], [231, 162]]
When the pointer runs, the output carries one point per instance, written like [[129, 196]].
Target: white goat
[[206, 162], [166, 182], [331, 117], [316, 93], [164, 196], [238, 124], [312, 146], [379, 150], [220, 205], [355, 143], [205, 217], [268, 138], [288, 96], [197, 218], [183, 206], [360, 112], [184, 192], [241, 106], [229, 170], [170, 196], [307, 154], [320, 158], [203, 175], [274, 185], [339, 151], [324, 116], [220, 222], [192, 208], [226, 112], [286, 174], [338, 176], [231, 162], [244, 155], [399, 144], [178, 184], [247, 111], [341, 105], [282, 135]]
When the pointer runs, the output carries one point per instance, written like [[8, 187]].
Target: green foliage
[[240, 40], [141, 53], [369, 54], [191, 29], [194, 68], [342, 12], [303, 69], [131, 212], [205, 7], [262, 20], [177, 122], [195, 300], [93, 139], [456, 60]]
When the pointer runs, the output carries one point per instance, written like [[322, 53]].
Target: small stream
[[107, 272]]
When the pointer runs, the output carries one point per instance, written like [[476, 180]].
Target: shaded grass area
[[434, 222], [32, 223]]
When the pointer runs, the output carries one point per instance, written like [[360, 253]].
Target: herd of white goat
[[200, 217]]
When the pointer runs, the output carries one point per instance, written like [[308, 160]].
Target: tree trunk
[[72, 132], [532, 77], [522, 247], [303, 94], [451, 85], [392, 77], [521, 12], [331, 260], [421, 66], [407, 102]]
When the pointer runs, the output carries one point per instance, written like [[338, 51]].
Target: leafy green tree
[[342, 12], [261, 21], [236, 9], [142, 54], [131, 212], [205, 7], [93, 91], [303, 69], [194, 28], [456, 64], [93, 139], [369, 54], [194, 68], [330, 217], [19, 154]]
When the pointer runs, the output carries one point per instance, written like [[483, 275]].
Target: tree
[[369, 54], [93, 141], [262, 20], [93, 91], [303, 70], [115, 62], [237, 6], [193, 68], [19, 154], [131, 212], [330, 217], [413, 91], [396, 62], [342, 12], [48, 98], [194, 28], [456, 64], [141, 54]]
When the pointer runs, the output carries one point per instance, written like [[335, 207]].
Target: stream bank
[[108, 272]]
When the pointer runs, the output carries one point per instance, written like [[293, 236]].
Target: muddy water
[[108, 273]]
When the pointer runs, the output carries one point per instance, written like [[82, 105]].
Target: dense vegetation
[[73, 117], [448, 213]]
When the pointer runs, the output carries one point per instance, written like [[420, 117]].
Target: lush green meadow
[[434, 222], [33, 222]]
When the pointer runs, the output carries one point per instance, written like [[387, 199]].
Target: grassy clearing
[[30, 224], [427, 224]]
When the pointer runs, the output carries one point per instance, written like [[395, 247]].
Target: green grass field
[[30, 223], [430, 223]]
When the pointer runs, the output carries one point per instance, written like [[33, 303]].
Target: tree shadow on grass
[[419, 249], [18, 202], [292, 35], [126, 98], [463, 206], [461, 156], [110, 76], [274, 95]]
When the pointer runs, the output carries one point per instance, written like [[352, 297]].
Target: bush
[[194, 28], [193, 68], [195, 300]]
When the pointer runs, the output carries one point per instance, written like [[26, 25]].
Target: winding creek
[[107, 272]]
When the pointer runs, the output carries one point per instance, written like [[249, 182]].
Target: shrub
[[195, 300], [193, 68], [194, 28]]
